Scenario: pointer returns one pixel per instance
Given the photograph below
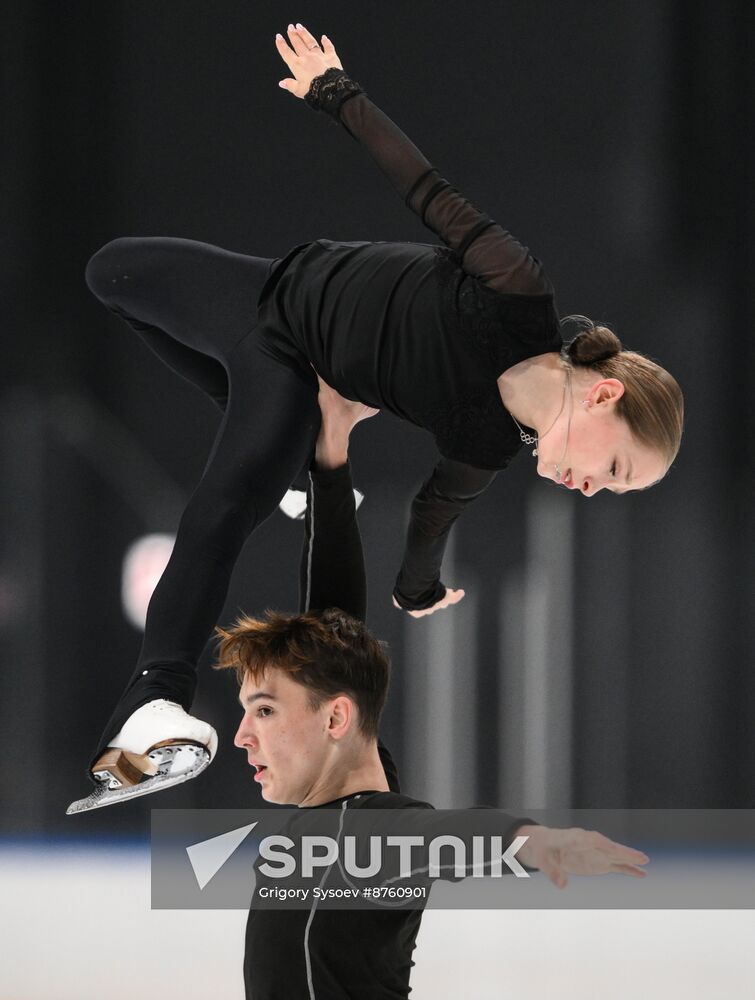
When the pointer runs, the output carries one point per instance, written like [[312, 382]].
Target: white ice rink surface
[[76, 924]]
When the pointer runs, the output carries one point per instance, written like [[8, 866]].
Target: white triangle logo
[[208, 856]]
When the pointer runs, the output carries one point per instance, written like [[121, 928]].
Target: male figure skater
[[312, 688]]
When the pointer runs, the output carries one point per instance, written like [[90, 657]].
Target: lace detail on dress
[[505, 328], [476, 428], [329, 91]]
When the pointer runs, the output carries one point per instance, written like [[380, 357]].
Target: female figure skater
[[462, 340]]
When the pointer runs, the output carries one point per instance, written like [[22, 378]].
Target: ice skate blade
[[175, 763]]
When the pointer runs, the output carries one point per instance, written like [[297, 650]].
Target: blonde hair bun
[[592, 344]]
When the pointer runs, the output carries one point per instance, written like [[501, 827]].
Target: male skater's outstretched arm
[[332, 571], [332, 564]]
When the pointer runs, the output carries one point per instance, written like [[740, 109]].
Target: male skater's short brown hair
[[328, 652]]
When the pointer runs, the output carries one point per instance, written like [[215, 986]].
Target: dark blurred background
[[603, 656]]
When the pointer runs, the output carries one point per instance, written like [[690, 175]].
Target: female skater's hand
[[560, 853], [449, 598], [305, 57]]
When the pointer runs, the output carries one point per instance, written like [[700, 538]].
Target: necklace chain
[[535, 438]]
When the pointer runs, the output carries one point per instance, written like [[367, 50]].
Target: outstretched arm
[[484, 248], [332, 565], [560, 853], [449, 490], [332, 571]]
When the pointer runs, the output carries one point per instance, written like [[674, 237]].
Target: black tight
[[196, 306]]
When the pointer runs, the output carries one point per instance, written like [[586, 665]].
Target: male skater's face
[[285, 739]]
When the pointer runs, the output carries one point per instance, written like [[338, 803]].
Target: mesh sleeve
[[484, 248], [449, 490]]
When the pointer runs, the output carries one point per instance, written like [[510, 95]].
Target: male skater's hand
[[560, 853], [305, 57], [339, 417]]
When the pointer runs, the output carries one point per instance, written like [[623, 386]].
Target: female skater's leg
[[194, 303], [188, 301], [269, 429]]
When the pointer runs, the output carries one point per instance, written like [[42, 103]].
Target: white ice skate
[[294, 503], [159, 746]]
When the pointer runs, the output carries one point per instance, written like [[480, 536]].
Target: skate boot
[[294, 503], [159, 746]]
